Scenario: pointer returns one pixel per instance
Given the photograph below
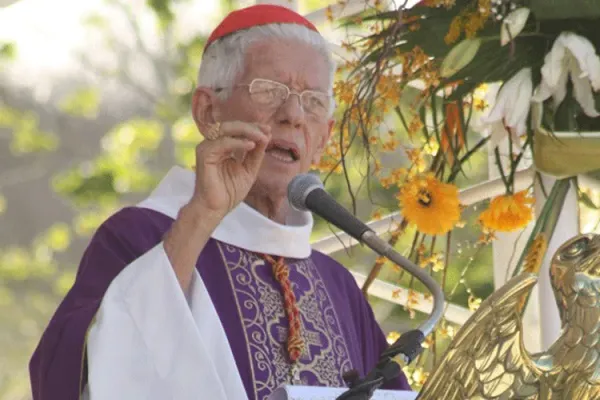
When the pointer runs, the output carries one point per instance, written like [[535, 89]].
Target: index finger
[[245, 130]]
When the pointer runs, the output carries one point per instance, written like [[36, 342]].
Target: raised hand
[[227, 164]]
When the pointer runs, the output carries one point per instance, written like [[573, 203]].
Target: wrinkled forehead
[[287, 61]]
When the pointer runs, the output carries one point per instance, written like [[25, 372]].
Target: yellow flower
[[431, 147], [480, 104], [454, 31], [376, 167], [376, 215], [428, 342], [419, 377], [431, 205], [329, 13], [390, 145], [415, 156], [415, 126], [508, 213], [392, 337], [447, 330], [474, 303], [435, 260]]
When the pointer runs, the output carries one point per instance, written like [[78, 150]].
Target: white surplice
[[148, 341]]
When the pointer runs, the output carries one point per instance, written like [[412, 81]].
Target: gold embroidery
[[310, 339], [260, 306]]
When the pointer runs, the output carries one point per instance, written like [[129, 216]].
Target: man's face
[[298, 136]]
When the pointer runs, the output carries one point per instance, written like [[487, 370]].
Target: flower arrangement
[[506, 76], [544, 65]]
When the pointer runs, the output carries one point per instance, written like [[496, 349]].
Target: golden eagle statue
[[487, 359]]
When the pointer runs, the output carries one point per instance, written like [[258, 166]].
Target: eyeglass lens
[[274, 94]]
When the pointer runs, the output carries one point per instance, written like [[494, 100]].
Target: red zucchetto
[[260, 14]]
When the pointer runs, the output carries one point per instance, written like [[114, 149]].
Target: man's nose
[[291, 111]]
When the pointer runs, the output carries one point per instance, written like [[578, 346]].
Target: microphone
[[306, 193]]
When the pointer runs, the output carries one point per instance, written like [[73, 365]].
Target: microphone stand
[[306, 193], [408, 346]]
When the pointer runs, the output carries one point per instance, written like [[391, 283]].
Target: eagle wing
[[487, 358]]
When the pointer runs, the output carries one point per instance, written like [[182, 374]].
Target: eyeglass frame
[[331, 104]]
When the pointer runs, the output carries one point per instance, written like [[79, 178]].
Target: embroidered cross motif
[[310, 339]]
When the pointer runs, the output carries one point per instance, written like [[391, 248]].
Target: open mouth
[[283, 151]]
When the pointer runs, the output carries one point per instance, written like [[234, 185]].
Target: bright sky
[[48, 31]]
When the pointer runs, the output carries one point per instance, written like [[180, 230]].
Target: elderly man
[[209, 288]]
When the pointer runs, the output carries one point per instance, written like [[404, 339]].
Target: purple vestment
[[339, 328]]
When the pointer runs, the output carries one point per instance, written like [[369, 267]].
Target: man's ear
[[323, 139], [205, 107]]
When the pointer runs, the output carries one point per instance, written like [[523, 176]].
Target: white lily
[[513, 24], [572, 55], [511, 109]]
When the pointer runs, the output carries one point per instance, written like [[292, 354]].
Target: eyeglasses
[[273, 94]]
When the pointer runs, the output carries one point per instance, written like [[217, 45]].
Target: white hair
[[223, 61]]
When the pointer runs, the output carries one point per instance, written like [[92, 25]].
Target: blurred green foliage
[[8, 51], [83, 102], [119, 169], [132, 158], [26, 134]]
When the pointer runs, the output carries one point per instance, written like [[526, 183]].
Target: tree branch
[[124, 77]]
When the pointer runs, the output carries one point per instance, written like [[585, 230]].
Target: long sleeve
[[126, 330], [58, 366]]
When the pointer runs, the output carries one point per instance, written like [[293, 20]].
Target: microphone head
[[300, 187]]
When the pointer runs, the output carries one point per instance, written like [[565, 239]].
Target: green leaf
[[86, 223], [83, 190], [95, 21], [8, 51], [162, 9], [81, 103], [459, 57], [118, 170], [8, 116], [307, 6], [546, 222], [28, 139], [585, 199], [14, 264], [64, 283], [26, 134], [58, 237]]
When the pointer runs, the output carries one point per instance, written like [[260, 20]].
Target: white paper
[[324, 393]]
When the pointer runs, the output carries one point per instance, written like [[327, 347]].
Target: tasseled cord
[[295, 344]]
